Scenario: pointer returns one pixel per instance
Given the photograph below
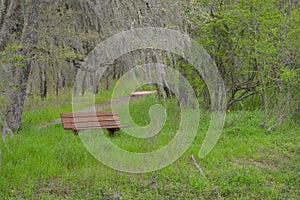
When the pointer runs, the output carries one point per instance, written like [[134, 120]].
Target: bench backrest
[[90, 120]]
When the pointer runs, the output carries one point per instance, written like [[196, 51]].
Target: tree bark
[[43, 83], [107, 81], [29, 38], [83, 86], [6, 16], [96, 82], [3, 7]]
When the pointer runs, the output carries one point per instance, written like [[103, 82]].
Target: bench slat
[[106, 127], [91, 124], [90, 119], [102, 123], [88, 114], [93, 127]]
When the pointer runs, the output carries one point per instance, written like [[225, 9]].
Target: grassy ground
[[247, 163]]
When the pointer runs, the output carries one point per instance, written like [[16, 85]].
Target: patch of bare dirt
[[260, 164], [51, 187]]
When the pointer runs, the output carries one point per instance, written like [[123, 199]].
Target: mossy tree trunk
[[15, 107]]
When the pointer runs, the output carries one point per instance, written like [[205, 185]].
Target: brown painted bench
[[77, 121]]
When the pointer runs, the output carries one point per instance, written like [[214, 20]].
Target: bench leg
[[111, 132], [75, 132]]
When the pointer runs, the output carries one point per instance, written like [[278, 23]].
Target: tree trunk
[[3, 7], [63, 80], [6, 21], [15, 107], [43, 83], [75, 92], [57, 86], [83, 86], [96, 82], [114, 73], [107, 80]]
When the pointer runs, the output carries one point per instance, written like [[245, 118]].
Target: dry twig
[[197, 166]]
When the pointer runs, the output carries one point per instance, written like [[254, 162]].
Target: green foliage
[[11, 56], [255, 46], [290, 76], [193, 77]]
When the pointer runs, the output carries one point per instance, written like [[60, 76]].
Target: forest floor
[[247, 162]]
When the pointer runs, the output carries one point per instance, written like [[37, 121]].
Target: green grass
[[38, 111], [247, 162]]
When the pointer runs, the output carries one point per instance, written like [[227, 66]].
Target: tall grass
[[247, 162]]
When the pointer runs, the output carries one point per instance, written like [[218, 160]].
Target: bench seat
[[77, 121]]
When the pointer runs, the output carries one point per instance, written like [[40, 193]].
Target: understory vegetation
[[47, 162]]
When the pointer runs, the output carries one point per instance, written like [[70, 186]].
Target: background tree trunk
[[43, 82], [29, 39], [7, 13]]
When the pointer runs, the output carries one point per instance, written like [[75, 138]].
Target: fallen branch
[[275, 126], [197, 166]]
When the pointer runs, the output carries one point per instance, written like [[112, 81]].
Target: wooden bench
[[77, 121]]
